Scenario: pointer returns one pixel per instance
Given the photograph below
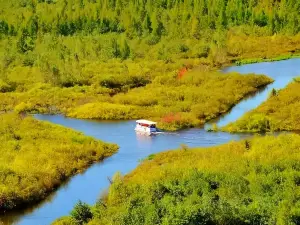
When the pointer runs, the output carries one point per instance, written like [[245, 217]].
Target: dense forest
[[57, 41], [245, 182], [28, 19], [36, 157], [281, 112], [142, 18]]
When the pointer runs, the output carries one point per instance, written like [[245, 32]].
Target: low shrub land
[[175, 102], [36, 157], [253, 181]]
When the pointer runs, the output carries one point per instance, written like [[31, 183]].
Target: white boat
[[145, 127]]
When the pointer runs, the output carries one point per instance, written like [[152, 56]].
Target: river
[[89, 185]]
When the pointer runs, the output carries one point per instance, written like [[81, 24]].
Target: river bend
[[88, 186]]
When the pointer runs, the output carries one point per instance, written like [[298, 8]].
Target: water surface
[[282, 72], [89, 185]]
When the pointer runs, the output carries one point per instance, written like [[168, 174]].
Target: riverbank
[[36, 157], [250, 181], [279, 113], [274, 59], [249, 85], [116, 82]]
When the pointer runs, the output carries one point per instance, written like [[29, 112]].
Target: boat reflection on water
[[144, 138]]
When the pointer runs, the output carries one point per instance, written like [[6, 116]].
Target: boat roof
[[146, 122]]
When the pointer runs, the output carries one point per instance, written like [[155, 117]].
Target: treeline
[[253, 181], [30, 20], [147, 17]]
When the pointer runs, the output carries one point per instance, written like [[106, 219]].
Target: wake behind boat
[[146, 127]]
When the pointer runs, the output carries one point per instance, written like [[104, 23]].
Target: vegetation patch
[[67, 56], [36, 157], [253, 181], [105, 111], [177, 103], [281, 112]]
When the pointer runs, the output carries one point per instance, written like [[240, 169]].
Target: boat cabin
[[145, 126]]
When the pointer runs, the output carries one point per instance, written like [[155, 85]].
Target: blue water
[[282, 72], [89, 185]]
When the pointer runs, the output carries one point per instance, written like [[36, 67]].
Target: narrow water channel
[[89, 185]]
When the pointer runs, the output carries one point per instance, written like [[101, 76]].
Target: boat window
[[146, 125]]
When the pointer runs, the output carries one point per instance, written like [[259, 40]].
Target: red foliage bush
[[171, 118], [181, 72]]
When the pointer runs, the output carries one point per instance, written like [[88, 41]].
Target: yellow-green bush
[[36, 157], [105, 111], [44, 98], [4, 87]]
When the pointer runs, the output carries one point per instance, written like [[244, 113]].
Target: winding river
[[89, 185]]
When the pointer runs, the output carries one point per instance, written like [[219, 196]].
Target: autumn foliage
[[182, 72]]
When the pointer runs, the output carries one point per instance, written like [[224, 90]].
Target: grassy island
[[174, 101], [36, 157], [177, 103]]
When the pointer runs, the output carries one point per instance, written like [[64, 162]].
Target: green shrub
[[105, 111], [4, 87], [67, 220], [81, 213]]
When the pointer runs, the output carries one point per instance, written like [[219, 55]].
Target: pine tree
[[115, 49], [25, 42], [125, 50]]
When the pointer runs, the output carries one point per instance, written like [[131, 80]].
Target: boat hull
[[145, 130]]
